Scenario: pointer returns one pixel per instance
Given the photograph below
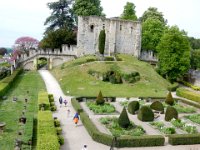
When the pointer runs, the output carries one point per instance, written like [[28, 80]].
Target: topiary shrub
[[158, 106], [123, 120], [56, 123], [102, 39], [133, 107], [61, 140], [171, 113], [59, 130], [145, 114], [169, 99], [100, 100]]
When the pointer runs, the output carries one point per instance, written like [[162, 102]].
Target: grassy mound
[[74, 77]]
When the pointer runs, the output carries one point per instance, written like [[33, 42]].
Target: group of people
[[75, 118]]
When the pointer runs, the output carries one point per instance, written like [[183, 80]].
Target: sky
[[26, 17]]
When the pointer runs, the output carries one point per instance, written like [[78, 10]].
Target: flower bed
[[194, 118], [189, 128], [100, 109], [161, 127], [112, 124]]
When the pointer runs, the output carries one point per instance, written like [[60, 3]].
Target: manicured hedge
[[173, 87], [197, 88], [184, 139], [189, 102], [43, 100], [188, 94], [7, 82], [46, 133], [142, 141]]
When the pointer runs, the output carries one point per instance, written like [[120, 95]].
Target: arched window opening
[[91, 28], [120, 27]]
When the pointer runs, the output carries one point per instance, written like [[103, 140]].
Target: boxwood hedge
[[194, 96], [184, 139], [43, 100]]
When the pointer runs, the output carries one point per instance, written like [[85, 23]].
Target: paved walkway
[[76, 137]]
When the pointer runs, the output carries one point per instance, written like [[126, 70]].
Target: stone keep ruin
[[122, 36]]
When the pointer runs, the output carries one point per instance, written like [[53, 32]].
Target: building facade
[[122, 36]]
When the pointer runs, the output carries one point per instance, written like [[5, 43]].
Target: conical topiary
[[145, 114], [171, 113], [158, 106], [123, 120], [133, 107], [169, 99], [100, 100]]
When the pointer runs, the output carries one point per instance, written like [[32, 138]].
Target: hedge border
[[188, 94], [142, 141], [43, 100], [184, 139]]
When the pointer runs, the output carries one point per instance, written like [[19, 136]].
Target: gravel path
[[76, 137]]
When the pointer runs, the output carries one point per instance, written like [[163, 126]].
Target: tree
[[152, 31], [195, 59], [26, 43], [55, 39], [102, 40], [129, 12], [195, 43], [3, 51], [174, 54], [153, 12], [87, 8], [61, 16]]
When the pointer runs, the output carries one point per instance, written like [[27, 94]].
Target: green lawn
[[73, 77], [11, 111]]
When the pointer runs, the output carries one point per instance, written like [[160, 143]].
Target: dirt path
[[76, 137]]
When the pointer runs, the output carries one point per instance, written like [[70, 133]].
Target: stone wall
[[121, 36]]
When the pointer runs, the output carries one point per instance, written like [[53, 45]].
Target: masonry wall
[[121, 36]]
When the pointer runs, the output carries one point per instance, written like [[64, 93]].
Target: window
[[120, 27], [103, 26], [91, 28]]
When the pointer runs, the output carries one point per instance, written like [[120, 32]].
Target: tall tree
[[195, 43], [129, 12], [152, 31], [3, 51], [55, 39], [61, 16], [195, 59], [87, 8], [173, 54], [153, 12]]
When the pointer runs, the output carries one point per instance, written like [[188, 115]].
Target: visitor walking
[[84, 147], [68, 112], [60, 101], [65, 102], [76, 118]]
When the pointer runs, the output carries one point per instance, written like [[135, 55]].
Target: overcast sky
[[26, 17]]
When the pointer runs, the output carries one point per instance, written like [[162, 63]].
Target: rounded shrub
[[158, 106], [100, 100], [59, 130], [56, 123], [123, 119], [145, 114], [171, 113], [53, 108], [133, 107], [169, 99], [61, 140]]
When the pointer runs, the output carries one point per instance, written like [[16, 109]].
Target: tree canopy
[[153, 12], [87, 8], [174, 54], [61, 16], [195, 59], [152, 31], [195, 43], [129, 12]]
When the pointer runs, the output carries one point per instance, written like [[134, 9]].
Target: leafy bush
[[91, 59], [100, 100], [145, 114], [123, 120], [59, 130], [51, 98], [184, 139], [53, 108], [171, 113], [194, 96], [160, 126], [158, 106], [197, 88], [56, 123], [109, 58], [194, 118], [173, 87], [169, 99], [61, 140], [132, 77], [133, 107]]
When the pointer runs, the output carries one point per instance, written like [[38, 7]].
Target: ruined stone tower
[[122, 36]]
